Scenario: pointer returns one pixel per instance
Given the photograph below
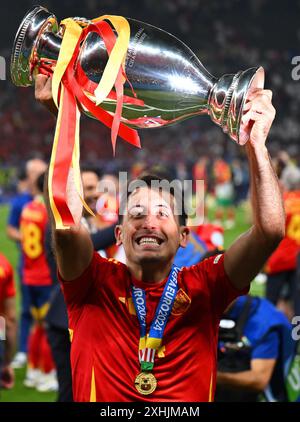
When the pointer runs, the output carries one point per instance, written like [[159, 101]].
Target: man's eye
[[163, 213], [136, 212]]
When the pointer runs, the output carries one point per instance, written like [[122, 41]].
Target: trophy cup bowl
[[162, 71]]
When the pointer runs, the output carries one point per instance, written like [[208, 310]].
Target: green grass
[[22, 394]]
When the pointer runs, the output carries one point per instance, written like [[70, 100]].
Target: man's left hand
[[259, 116]]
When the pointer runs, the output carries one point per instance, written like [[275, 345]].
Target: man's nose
[[150, 221]]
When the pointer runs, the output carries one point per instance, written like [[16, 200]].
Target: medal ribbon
[[148, 345]]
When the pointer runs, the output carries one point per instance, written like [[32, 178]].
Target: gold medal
[[145, 383]]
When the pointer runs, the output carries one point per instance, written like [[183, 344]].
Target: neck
[[149, 272]]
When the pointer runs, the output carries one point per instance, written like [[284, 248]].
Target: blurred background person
[[25, 189], [36, 275], [224, 194], [107, 209], [256, 352], [8, 323], [90, 180]]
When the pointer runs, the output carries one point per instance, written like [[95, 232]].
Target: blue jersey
[[14, 217], [192, 254], [17, 205]]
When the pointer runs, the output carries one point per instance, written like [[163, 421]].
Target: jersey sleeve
[[267, 347], [78, 291], [14, 215], [222, 292]]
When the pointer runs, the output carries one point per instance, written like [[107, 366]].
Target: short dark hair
[[148, 179], [90, 168]]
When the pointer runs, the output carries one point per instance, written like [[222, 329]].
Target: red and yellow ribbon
[[71, 89]]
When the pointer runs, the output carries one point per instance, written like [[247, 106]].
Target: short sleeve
[[222, 291], [14, 215], [78, 291], [268, 347]]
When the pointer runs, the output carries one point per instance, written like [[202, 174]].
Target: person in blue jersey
[[26, 179], [256, 353]]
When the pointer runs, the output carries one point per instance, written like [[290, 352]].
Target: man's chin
[[148, 257]]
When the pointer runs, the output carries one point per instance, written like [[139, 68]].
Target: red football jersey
[[7, 284], [285, 256], [33, 224], [105, 332], [222, 171]]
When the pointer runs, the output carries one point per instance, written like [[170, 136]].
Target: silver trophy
[[162, 70]]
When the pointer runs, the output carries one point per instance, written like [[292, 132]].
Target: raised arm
[[247, 255], [73, 247]]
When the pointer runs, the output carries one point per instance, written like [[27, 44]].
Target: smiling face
[[150, 232]]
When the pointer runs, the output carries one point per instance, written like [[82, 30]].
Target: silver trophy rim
[[16, 56]]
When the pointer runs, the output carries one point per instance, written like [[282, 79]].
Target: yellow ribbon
[[116, 58], [56, 214], [76, 166], [71, 36]]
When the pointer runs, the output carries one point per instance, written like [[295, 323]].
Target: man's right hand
[[43, 92]]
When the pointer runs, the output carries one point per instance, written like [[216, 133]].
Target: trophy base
[[227, 99], [24, 52]]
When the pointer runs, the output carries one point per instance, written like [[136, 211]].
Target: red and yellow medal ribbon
[[72, 89]]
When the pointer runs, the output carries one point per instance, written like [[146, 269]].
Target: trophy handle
[[37, 22]]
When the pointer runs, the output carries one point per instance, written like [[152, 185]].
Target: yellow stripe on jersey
[[210, 388], [131, 307], [93, 387]]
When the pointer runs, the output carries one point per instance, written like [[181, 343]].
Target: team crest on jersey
[[181, 303], [180, 306]]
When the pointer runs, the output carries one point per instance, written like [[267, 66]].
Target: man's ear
[[184, 236], [118, 235]]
